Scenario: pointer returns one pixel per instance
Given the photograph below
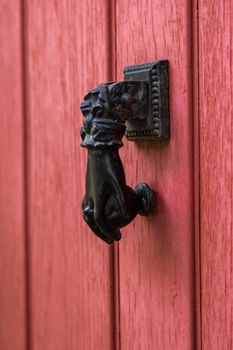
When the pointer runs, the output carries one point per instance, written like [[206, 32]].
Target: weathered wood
[[71, 270], [216, 172], [196, 170], [157, 254], [12, 223]]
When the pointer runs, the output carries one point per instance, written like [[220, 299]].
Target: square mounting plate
[[157, 125]]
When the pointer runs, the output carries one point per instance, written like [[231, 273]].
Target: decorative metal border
[[157, 125]]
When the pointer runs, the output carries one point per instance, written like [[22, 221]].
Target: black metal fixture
[[138, 107]]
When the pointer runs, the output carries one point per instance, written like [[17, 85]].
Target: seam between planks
[[197, 179], [26, 168], [112, 66]]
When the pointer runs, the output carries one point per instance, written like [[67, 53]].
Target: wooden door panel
[[71, 286], [216, 169], [156, 255], [58, 281], [13, 323]]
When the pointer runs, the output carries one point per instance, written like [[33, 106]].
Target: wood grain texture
[[12, 223], [157, 254], [216, 170], [71, 270], [196, 170]]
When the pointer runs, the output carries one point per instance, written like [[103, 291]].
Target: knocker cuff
[[102, 133]]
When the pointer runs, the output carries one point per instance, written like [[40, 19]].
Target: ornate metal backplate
[[157, 124]]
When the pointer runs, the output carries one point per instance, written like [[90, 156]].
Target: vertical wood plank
[[157, 253], [70, 268], [12, 223], [196, 170], [216, 170]]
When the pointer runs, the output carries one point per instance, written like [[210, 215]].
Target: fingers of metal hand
[[88, 214], [102, 221], [117, 236], [97, 231], [120, 203], [106, 213]]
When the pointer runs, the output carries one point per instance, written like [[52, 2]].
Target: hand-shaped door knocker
[[109, 204]]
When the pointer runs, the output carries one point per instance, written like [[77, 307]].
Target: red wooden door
[[168, 283]]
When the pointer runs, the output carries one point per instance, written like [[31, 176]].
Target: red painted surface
[[168, 283], [156, 254], [71, 271], [12, 195], [216, 173], [196, 170]]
